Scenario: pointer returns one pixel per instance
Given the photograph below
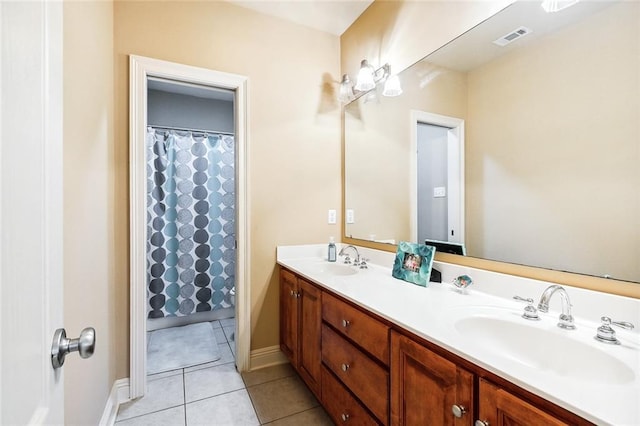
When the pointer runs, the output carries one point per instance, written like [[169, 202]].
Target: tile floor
[[216, 394]]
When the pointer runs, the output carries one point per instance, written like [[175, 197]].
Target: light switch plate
[[332, 217], [439, 192], [350, 216]]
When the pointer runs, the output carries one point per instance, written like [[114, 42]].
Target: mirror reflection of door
[[432, 183], [438, 186]]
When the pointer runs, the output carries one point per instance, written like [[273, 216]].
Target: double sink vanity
[[378, 350]]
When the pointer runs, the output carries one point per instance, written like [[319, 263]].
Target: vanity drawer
[[368, 333], [362, 375], [341, 405]]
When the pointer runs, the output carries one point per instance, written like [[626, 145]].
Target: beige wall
[[89, 279], [294, 131], [544, 170]]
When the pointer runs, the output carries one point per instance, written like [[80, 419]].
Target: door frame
[[455, 173], [140, 68]]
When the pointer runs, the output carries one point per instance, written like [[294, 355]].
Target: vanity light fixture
[[551, 6], [368, 78]]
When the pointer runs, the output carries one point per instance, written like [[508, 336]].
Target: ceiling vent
[[512, 36]]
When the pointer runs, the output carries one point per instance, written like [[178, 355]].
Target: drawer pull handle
[[293, 293], [345, 417], [345, 323], [345, 367], [458, 410], [481, 423]]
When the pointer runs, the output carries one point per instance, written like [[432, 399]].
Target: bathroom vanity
[[377, 350]]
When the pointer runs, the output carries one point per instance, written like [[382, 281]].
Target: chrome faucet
[[347, 259], [566, 319]]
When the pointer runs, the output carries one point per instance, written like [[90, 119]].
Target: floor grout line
[[183, 372], [150, 412], [214, 396], [184, 396], [253, 405], [268, 381]]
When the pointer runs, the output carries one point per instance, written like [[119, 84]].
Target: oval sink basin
[[544, 350], [335, 269]]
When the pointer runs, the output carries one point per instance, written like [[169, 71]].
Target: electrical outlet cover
[[350, 216], [332, 217]]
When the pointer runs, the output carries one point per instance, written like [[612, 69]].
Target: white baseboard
[[119, 395], [266, 357]]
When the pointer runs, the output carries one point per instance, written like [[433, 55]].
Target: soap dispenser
[[331, 257]]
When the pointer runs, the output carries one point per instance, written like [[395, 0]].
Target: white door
[[433, 203], [448, 188], [30, 211]]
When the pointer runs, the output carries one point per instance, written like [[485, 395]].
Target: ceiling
[[326, 15]]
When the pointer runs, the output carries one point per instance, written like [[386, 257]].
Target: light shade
[[365, 81], [551, 6], [392, 86]]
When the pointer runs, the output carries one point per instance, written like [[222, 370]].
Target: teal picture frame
[[413, 263]]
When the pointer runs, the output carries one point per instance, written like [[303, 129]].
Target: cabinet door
[[310, 308], [425, 386], [501, 408], [289, 316]]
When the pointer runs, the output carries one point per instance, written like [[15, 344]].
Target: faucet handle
[[347, 259], [363, 263], [606, 334], [530, 311]]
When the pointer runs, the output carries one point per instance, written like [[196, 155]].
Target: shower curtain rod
[[185, 129]]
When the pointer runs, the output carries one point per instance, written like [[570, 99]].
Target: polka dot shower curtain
[[190, 222]]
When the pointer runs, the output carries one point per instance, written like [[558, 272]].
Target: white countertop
[[431, 313]]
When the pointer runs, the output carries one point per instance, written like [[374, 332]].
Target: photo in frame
[[413, 263]]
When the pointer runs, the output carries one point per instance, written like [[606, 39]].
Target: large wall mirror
[[549, 155]]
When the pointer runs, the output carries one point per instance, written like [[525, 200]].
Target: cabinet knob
[[292, 292], [345, 417], [345, 367], [481, 423], [345, 323], [458, 410]]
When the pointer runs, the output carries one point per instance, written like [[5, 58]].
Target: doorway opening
[[189, 242], [437, 178]]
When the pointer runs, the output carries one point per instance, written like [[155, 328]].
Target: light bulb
[[365, 80]]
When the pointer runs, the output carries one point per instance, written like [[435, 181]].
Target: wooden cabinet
[[300, 319], [497, 407], [425, 386], [366, 370]]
